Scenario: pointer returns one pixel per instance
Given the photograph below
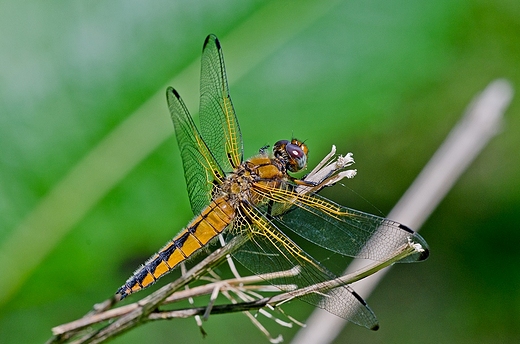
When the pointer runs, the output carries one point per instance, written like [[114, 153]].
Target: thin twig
[[135, 314], [94, 318]]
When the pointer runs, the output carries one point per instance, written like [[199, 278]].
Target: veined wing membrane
[[218, 121], [340, 229], [269, 250], [200, 167]]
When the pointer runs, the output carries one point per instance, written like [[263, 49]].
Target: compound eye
[[297, 157]]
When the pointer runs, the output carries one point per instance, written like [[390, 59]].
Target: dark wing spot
[[403, 227]]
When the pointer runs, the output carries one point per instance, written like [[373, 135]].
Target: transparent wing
[[218, 121], [270, 250], [200, 168], [340, 229]]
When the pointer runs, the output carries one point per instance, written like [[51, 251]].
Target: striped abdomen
[[210, 223]]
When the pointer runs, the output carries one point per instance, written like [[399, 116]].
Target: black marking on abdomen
[[179, 243]]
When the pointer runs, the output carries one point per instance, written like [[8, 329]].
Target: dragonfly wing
[[340, 229], [200, 167], [269, 250], [218, 121], [350, 232]]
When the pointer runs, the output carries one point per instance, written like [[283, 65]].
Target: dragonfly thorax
[[239, 186]]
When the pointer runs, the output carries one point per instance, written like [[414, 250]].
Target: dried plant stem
[[141, 309], [145, 310]]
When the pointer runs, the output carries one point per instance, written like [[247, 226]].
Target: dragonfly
[[261, 199]]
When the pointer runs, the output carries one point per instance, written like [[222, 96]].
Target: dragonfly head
[[293, 153]]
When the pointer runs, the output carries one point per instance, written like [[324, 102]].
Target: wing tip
[[172, 90], [209, 38], [426, 251], [424, 254], [375, 325]]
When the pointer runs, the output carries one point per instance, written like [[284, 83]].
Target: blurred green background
[[91, 181]]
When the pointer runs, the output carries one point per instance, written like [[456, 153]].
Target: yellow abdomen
[[210, 223]]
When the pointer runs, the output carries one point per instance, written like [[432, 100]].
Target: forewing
[[340, 229], [200, 167], [218, 121], [270, 250]]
